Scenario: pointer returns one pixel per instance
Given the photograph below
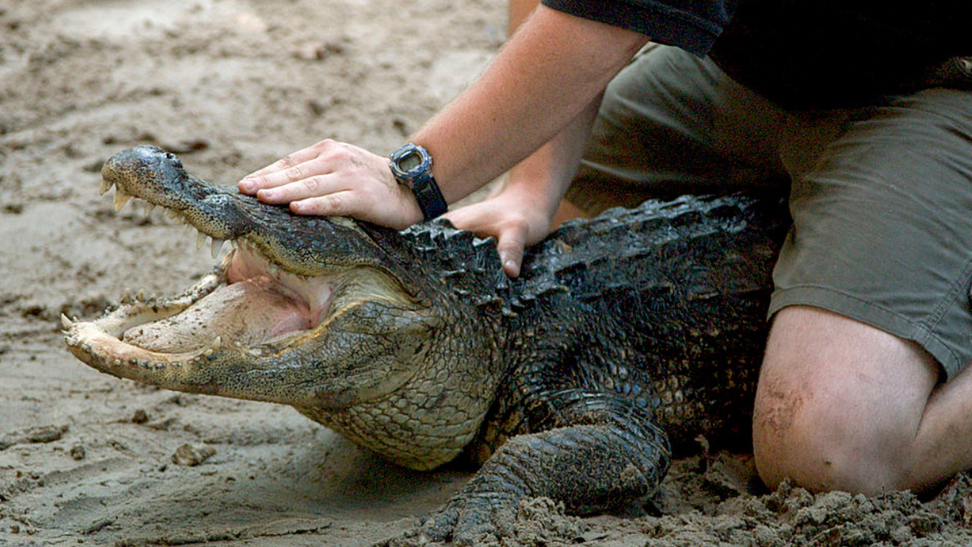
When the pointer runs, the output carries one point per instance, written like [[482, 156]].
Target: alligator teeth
[[121, 198], [217, 245], [217, 342], [105, 186], [175, 216], [200, 239]]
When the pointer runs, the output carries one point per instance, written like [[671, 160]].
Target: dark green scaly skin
[[644, 322], [624, 336]]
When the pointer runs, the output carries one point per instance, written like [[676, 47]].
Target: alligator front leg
[[612, 453]]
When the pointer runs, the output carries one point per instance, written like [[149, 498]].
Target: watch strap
[[429, 197]]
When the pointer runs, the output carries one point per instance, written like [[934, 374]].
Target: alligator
[[624, 338]]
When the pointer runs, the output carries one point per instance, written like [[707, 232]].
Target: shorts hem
[[870, 314]]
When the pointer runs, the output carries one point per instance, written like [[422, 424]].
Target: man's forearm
[[546, 174], [550, 72]]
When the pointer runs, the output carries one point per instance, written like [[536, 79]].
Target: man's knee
[[815, 444], [837, 404]]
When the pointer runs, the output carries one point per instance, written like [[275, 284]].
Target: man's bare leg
[[842, 405]]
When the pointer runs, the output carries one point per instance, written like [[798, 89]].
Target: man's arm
[[548, 74], [520, 214]]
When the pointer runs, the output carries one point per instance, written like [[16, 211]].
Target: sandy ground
[[231, 85]]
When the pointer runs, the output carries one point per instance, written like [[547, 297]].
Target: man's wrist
[[411, 165], [535, 187]]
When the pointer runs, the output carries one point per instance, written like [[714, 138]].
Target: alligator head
[[331, 316]]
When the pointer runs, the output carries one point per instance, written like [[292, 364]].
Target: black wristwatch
[[412, 166]]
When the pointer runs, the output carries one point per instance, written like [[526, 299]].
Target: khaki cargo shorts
[[881, 196]]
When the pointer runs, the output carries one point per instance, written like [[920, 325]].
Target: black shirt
[[802, 54], [692, 25]]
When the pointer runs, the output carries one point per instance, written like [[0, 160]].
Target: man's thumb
[[510, 249]]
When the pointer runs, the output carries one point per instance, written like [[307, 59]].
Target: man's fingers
[[335, 179], [462, 219], [339, 204], [294, 173], [284, 169], [510, 247], [281, 164], [511, 235], [302, 189]]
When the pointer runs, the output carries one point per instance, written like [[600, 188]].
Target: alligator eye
[[175, 161]]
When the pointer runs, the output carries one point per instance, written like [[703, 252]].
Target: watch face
[[410, 161]]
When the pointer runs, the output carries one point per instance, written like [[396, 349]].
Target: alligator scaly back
[[662, 307]]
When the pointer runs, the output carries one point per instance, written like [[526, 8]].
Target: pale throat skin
[[324, 328]]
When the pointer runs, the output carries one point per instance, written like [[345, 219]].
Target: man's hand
[[544, 80], [514, 221], [336, 179]]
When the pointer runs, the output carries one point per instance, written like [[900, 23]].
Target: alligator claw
[[438, 526], [466, 520]]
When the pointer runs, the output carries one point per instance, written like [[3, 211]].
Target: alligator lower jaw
[[248, 305]]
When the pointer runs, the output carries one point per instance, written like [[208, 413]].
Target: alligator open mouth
[[278, 287], [249, 302]]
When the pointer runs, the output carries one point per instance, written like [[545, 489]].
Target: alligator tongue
[[247, 313]]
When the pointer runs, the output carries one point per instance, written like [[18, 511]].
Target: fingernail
[[246, 185]]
